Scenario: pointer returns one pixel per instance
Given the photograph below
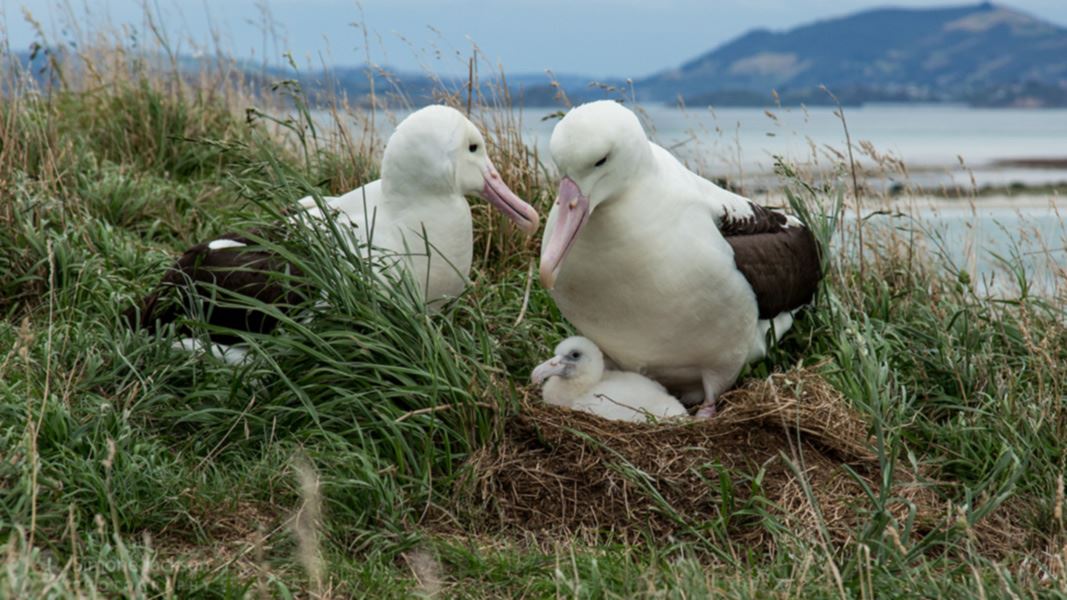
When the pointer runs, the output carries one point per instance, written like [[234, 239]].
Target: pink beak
[[550, 368], [497, 193], [572, 212]]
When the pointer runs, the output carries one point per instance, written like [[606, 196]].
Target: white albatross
[[575, 378], [435, 157], [416, 216], [669, 274]]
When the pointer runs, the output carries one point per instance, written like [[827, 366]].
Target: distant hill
[[530, 89], [981, 53], [394, 88]]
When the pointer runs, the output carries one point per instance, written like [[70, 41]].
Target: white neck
[[561, 391], [406, 176], [441, 225]]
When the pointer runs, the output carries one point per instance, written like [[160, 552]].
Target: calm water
[[990, 243], [741, 143]]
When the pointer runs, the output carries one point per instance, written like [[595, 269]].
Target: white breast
[[657, 290], [437, 242], [432, 237], [628, 397]]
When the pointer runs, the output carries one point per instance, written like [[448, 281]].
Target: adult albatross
[[418, 218], [669, 274]]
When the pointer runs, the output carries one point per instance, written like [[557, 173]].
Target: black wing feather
[[208, 275], [782, 264]]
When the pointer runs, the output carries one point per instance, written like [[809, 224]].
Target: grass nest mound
[[779, 447]]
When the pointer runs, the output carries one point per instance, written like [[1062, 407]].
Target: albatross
[[575, 378], [669, 274], [416, 216]]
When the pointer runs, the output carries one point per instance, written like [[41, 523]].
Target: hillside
[[982, 53]]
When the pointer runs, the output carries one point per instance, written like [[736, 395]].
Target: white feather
[[650, 278], [231, 355], [583, 384], [222, 244]]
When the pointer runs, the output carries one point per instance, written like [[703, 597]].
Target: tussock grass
[[129, 468]]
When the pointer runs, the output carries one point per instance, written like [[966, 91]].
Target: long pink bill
[[572, 211], [497, 193]]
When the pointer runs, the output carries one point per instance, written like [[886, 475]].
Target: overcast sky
[[619, 38]]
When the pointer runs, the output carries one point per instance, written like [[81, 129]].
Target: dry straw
[[781, 446]]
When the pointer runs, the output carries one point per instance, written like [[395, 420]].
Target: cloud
[[596, 37]]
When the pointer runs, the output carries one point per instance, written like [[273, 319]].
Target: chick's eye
[[601, 162], [473, 148], [575, 355]]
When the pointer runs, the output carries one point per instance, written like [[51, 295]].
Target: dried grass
[[557, 472], [427, 571], [237, 537]]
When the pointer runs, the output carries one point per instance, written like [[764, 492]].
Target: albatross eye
[[574, 355], [601, 161], [473, 148]]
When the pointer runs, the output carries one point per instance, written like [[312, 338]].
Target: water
[[741, 143], [991, 243]]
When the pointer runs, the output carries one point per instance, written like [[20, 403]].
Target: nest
[[779, 448]]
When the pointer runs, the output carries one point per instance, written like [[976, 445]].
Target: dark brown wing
[[782, 264], [215, 277]]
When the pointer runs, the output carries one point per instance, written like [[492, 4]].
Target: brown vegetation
[[787, 449]]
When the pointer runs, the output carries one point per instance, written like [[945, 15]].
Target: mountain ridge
[[982, 54], [962, 53]]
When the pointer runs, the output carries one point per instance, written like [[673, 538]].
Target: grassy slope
[[129, 468]]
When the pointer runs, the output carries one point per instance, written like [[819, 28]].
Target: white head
[[599, 148], [578, 361], [437, 152]]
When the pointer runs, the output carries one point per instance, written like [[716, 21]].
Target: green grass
[[130, 469]]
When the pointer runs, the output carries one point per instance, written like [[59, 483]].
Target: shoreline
[[876, 188], [991, 202], [927, 202], [1037, 163]]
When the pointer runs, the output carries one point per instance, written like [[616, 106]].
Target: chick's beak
[[550, 368]]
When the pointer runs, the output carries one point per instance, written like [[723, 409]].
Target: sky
[[599, 38]]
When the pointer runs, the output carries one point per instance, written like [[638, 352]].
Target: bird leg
[[706, 410], [713, 386]]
